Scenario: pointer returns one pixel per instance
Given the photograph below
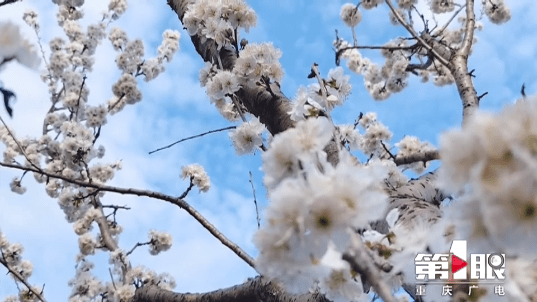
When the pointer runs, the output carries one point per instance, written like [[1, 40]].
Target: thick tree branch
[[459, 67], [255, 289], [417, 157], [155, 195]]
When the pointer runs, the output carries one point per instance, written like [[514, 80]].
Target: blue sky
[[175, 106]]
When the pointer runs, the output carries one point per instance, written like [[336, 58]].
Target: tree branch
[[21, 279], [416, 36], [255, 289], [459, 67], [363, 264], [155, 195], [417, 157]]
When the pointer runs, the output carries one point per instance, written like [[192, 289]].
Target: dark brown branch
[[155, 195], [7, 2], [255, 289], [417, 157], [271, 107]]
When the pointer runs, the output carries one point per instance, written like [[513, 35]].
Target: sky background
[[175, 106]]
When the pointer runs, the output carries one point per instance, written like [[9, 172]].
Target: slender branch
[[191, 137], [255, 200], [155, 195], [20, 147], [138, 244], [415, 34], [451, 19], [190, 186], [417, 157], [18, 276]]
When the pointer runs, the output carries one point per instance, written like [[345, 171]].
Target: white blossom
[[369, 4], [30, 17], [14, 46], [170, 44], [350, 14], [247, 137], [16, 186], [497, 11], [159, 242], [197, 175], [86, 244], [441, 6]]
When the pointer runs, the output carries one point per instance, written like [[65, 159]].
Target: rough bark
[[272, 109], [255, 289], [419, 198]]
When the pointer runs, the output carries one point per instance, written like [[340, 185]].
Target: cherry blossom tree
[[344, 222]]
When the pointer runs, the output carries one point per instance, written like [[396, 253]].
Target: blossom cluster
[[256, 62], [219, 20], [248, 136], [197, 176], [314, 209], [380, 82], [392, 76], [491, 164], [316, 100]]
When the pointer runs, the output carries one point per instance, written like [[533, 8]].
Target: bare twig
[[18, 276], [112, 277], [255, 200], [191, 137], [387, 151], [20, 147], [155, 195], [190, 186], [137, 245], [451, 19]]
